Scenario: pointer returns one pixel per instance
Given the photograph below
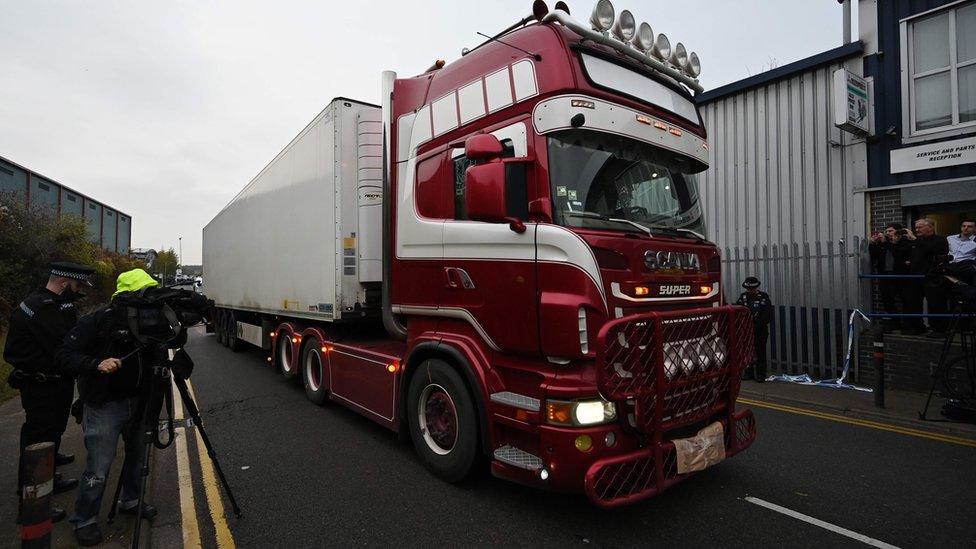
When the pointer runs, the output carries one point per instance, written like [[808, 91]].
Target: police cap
[[750, 282], [75, 271]]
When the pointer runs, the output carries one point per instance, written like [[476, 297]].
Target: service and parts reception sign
[[934, 155]]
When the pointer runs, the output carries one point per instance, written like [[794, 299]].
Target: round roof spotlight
[[662, 47], [694, 65], [625, 27], [539, 9], [679, 57], [561, 6], [644, 38], [602, 17]]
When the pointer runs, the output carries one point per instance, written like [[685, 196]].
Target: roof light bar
[[662, 47], [679, 57], [643, 39], [694, 65], [602, 17], [625, 27]]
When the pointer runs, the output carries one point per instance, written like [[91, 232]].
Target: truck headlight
[[579, 413]]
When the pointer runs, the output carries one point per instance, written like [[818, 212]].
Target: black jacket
[[901, 252], [925, 250], [94, 339], [37, 328], [760, 305]]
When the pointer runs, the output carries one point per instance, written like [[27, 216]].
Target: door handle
[[458, 278]]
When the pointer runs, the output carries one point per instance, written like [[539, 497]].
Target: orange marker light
[[325, 349], [675, 132], [294, 340], [272, 334], [392, 368], [644, 119], [641, 290], [704, 289], [559, 413], [269, 359], [661, 126]]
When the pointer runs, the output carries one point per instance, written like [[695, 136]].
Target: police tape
[[836, 383]]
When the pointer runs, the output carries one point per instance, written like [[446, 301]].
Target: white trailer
[[326, 187]]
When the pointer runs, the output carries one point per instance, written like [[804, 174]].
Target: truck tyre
[[443, 420], [283, 357], [313, 372], [219, 327], [233, 343]]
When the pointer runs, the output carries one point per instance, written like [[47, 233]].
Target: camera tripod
[[958, 373], [160, 392]]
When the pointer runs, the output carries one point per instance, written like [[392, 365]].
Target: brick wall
[[909, 361], [885, 208]]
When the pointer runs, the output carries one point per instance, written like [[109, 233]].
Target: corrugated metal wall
[[779, 202]]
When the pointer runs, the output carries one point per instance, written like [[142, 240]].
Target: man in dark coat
[[891, 254], [37, 328], [762, 314], [928, 248]]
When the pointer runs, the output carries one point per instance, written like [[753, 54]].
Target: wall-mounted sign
[[934, 155], [852, 106]]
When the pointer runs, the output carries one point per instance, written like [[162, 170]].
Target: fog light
[[544, 474], [584, 443], [610, 439]]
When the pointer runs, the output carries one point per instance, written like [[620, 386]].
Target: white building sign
[[934, 155], [851, 104]]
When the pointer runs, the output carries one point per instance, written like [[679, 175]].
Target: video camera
[[159, 316]]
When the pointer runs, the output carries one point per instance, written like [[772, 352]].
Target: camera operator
[[110, 389], [928, 247], [891, 254]]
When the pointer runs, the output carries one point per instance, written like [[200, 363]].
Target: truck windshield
[[604, 181]]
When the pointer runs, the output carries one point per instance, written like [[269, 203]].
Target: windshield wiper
[[680, 230], [601, 217]]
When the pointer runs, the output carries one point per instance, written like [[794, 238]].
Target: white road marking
[[817, 522]]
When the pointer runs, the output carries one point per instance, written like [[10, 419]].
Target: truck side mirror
[[486, 195], [483, 147]]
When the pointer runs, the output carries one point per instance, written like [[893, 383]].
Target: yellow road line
[[188, 510], [224, 538], [861, 422]]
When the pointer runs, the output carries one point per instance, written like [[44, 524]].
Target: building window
[[940, 75]]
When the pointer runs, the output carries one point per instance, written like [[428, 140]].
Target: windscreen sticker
[[561, 190], [572, 194]]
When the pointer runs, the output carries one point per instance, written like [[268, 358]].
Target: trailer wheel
[[313, 372], [233, 343], [219, 328], [285, 360], [443, 420]]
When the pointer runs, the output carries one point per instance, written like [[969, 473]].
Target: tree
[[166, 264], [31, 238]]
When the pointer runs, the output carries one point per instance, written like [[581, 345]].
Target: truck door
[[489, 275]]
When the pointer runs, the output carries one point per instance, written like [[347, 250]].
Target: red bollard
[[35, 514]]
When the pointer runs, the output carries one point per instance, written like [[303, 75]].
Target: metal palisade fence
[[813, 288], [782, 200]]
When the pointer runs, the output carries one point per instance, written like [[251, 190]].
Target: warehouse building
[[809, 158], [108, 227]]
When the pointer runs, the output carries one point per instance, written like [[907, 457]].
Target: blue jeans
[[102, 425]]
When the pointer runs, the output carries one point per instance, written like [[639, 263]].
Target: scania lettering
[[506, 258]]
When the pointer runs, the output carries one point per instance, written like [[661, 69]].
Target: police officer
[[37, 328], [762, 313]]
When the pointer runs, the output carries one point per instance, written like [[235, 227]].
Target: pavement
[[822, 472]]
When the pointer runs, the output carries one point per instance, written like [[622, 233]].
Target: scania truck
[[505, 261]]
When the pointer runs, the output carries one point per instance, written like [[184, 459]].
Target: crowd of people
[[899, 251]]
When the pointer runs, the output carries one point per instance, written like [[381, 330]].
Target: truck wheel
[[443, 420], [219, 328], [286, 362], [233, 343], [313, 372]]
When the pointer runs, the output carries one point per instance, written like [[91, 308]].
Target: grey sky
[[165, 110]]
